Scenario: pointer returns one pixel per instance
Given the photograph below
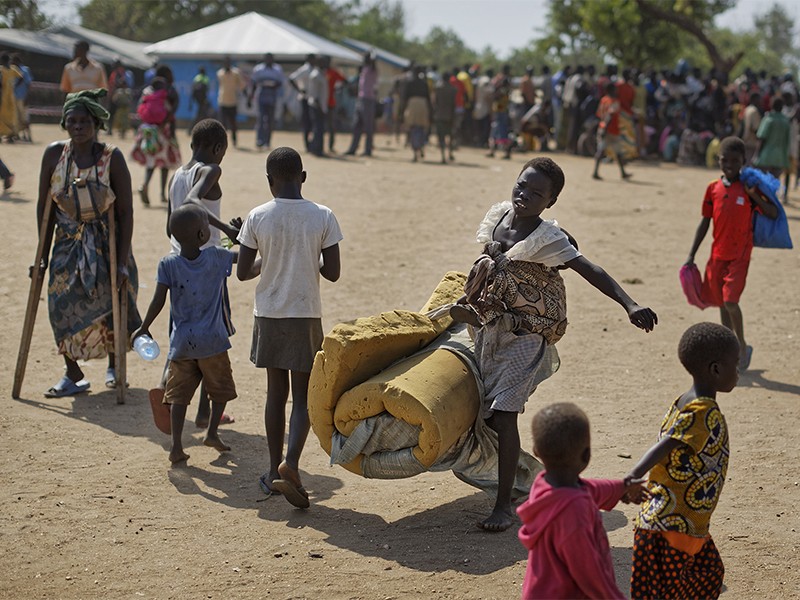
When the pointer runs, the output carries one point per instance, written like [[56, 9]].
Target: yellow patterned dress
[[79, 290], [673, 553]]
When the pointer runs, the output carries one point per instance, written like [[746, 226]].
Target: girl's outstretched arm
[[642, 317]]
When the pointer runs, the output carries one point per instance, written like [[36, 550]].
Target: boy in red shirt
[[608, 131], [730, 206], [568, 552]]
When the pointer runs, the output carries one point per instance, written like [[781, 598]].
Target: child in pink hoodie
[[568, 552]]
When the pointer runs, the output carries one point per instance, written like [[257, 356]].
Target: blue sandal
[[67, 387]]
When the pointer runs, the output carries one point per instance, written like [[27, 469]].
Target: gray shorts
[[289, 344]]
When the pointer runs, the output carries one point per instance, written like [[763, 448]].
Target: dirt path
[[92, 509]]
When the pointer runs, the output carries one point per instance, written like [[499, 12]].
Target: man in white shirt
[[299, 81]]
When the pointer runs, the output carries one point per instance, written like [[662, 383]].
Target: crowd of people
[[514, 297]]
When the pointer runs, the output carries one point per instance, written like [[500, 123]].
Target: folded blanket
[[396, 395]]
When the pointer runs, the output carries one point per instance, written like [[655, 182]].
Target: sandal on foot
[[67, 387], [111, 379], [266, 485], [297, 496], [8, 182], [744, 362], [161, 412], [225, 420], [144, 197]]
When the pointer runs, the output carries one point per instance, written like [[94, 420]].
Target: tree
[[22, 14], [442, 47], [153, 20], [381, 24], [777, 30], [695, 18]]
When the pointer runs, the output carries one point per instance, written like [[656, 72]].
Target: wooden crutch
[[37, 278], [119, 311]]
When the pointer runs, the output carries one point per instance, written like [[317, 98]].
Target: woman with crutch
[[87, 187]]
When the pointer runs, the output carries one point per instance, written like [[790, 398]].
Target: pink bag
[[692, 283]]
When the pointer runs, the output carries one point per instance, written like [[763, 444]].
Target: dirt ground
[[92, 509]]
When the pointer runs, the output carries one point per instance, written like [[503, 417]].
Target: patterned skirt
[[661, 571]]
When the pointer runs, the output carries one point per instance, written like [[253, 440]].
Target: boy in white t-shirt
[[290, 233]]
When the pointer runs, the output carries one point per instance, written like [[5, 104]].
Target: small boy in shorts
[[673, 553], [730, 206], [199, 340], [568, 552], [198, 182], [290, 233], [608, 131]]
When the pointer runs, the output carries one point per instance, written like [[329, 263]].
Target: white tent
[[250, 36]]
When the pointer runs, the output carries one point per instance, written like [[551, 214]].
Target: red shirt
[[609, 106], [461, 90], [731, 211], [626, 94], [333, 76]]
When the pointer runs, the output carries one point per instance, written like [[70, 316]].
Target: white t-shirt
[[290, 235], [182, 184]]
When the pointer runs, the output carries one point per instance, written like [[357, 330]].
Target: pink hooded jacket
[[568, 552]]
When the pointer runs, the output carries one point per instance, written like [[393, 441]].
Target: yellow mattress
[[359, 374]]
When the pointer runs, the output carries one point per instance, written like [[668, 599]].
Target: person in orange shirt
[[608, 131], [82, 73]]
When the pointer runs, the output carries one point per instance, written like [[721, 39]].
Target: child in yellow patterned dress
[[673, 553]]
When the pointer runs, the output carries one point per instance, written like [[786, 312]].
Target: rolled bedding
[[397, 394]]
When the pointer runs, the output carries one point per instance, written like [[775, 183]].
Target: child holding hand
[[516, 297], [199, 340], [568, 552], [673, 553]]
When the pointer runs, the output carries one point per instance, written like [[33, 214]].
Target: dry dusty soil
[[92, 509]]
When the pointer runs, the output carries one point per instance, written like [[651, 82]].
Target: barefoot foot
[[178, 456], [499, 520], [216, 443]]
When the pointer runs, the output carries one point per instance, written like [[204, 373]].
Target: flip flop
[[161, 412], [748, 356], [67, 387], [111, 379], [225, 420], [297, 496], [266, 486]]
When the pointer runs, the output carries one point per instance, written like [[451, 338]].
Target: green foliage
[[22, 14], [381, 24], [443, 47], [153, 20]]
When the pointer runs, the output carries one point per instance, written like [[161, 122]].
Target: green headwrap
[[88, 99]]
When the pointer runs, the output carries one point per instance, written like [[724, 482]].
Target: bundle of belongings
[[398, 394]]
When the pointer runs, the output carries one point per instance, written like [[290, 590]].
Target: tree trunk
[[721, 64]]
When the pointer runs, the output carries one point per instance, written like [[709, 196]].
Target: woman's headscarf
[[89, 100]]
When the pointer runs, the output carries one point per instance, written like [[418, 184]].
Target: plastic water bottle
[[146, 347]]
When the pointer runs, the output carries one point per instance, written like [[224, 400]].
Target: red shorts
[[724, 280]]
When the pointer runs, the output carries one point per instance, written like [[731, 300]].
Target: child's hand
[[636, 491], [140, 332], [642, 317], [236, 223]]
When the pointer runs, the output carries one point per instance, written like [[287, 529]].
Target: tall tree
[[443, 47], [696, 19], [22, 14], [381, 24]]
